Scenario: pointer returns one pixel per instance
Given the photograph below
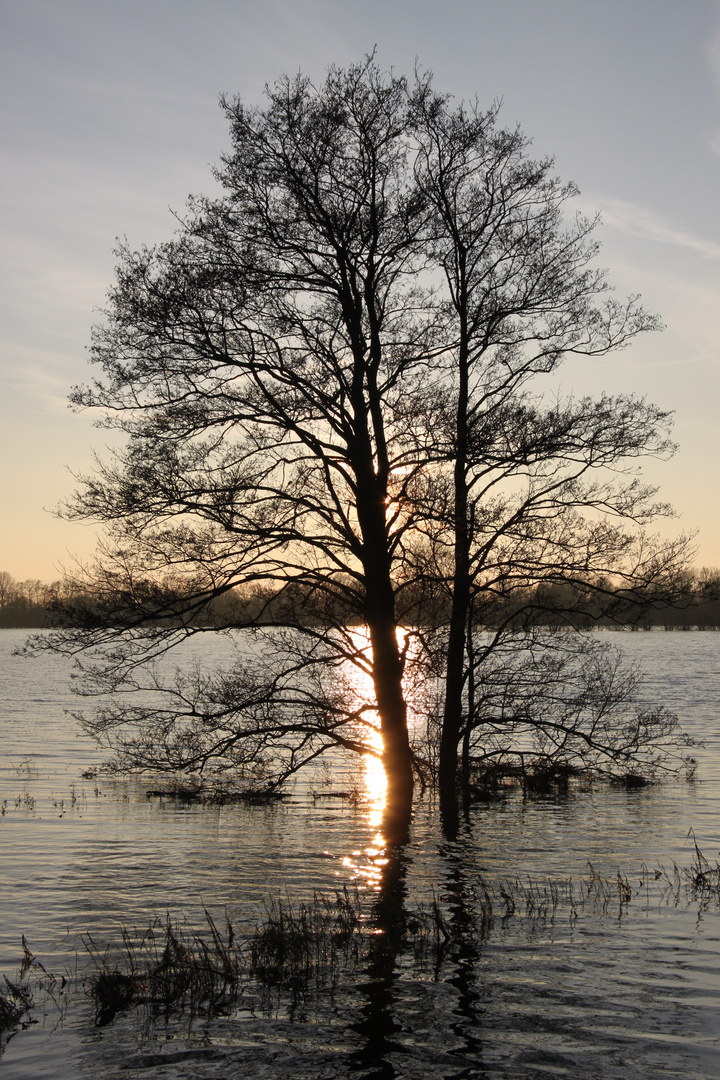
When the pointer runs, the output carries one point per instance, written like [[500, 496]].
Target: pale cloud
[[637, 220], [36, 380], [690, 309]]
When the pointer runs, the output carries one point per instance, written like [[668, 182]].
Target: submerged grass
[[216, 794], [305, 948], [301, 950], [167, 966], [297, 945], [32, 986], [15, 1003]]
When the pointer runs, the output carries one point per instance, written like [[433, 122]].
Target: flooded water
[[624, 989]]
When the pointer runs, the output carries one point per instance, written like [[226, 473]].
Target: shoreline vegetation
[[695, 605]]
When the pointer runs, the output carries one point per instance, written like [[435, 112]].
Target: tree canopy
[[334, 387]]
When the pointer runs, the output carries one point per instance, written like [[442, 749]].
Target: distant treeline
[[695, 602], [27, 603]]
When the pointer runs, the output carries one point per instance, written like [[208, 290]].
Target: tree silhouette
[[323, 381]]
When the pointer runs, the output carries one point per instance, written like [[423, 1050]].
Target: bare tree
[[263, 366], [8, 589], [542, 490], [323, 384]]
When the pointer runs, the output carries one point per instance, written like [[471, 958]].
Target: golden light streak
[[367, 865]]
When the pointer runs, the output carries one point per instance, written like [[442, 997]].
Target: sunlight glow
[[367, 865]]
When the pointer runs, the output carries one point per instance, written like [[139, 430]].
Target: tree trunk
[[454, 678], [392, 709], [397, 760], [387, 662], [470, 716]]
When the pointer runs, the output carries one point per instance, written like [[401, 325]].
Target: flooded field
[[608, 965]]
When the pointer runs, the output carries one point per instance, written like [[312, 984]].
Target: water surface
[[632, 990]]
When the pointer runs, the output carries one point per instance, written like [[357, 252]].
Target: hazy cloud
[[637, 220]]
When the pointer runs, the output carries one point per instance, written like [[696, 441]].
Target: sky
[[109, 119]]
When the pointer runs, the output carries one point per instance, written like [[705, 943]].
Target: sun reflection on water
[[366, 865]]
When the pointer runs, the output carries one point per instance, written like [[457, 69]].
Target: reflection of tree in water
[[395, 989], [377, 1024], [466, 936], [457, 949]]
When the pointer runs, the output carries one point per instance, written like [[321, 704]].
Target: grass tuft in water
[[167, 966], [15, 1003], [33, 984], [296, 945]]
